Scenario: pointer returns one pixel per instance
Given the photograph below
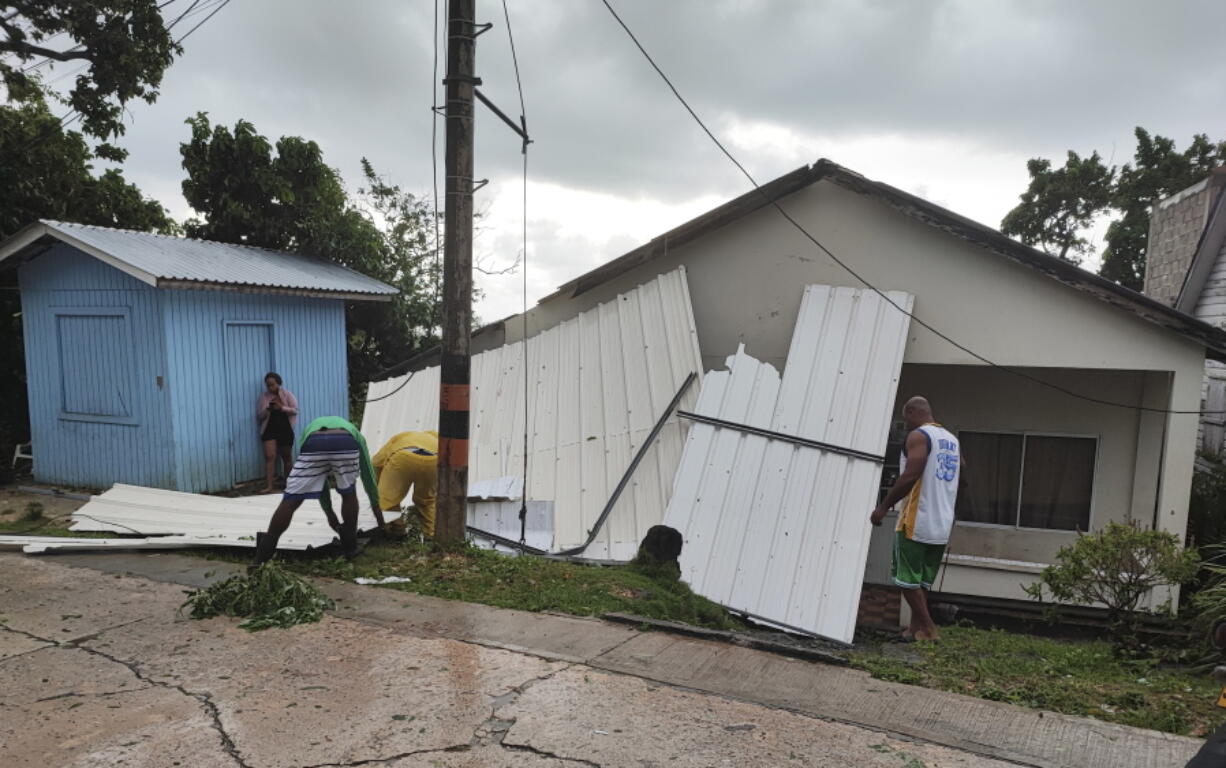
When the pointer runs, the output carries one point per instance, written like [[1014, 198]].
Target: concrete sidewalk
[[972, 726]]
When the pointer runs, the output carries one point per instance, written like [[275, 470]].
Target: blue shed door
[[248, 358]]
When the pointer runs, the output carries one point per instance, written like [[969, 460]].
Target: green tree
[[1158, 170], [125, 45], [48, 174], [1060, 204], [286, 197]]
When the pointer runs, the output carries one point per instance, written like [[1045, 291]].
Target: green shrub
[[1116, 568]]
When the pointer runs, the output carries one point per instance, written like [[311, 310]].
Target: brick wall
[[1175, 227]]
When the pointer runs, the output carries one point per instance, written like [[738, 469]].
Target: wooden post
[[457, 274]]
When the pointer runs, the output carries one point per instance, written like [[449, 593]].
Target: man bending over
[[332, 452]]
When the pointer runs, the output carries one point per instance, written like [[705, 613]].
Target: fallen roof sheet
[[209, 520], [778, 530], [157, 519], [598, 384]]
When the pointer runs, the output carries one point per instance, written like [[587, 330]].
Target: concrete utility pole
[[457, 273]]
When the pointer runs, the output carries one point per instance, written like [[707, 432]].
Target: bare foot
[[931, 635], [268, 489]]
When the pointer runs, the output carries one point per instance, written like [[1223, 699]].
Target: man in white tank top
[[930, 473]]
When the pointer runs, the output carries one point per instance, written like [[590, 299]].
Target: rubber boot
[[265, 548], [349, 541]]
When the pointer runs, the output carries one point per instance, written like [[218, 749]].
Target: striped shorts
[[324, 455]]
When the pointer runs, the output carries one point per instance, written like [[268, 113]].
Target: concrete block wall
[[1175, 227]]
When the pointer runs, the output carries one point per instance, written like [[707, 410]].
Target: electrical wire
[[48, 521], [523, 120], [800, 228], [438, 269], [403, 384]]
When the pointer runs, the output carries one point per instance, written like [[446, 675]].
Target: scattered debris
[[267, 595], [384, 580]]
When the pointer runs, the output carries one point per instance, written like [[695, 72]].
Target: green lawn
[[1073, 677], [524, 583]]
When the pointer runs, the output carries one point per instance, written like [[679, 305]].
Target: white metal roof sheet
[[777, 530], [597, 384], [162, 259]]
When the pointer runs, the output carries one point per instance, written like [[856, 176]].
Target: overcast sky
[[943, 99]]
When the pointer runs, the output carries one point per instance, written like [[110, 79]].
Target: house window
[[1028, 480], [95, 357]]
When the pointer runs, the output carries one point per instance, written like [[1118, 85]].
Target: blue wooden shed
[[145, 354]]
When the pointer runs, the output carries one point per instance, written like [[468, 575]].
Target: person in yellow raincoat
[[410, 459]]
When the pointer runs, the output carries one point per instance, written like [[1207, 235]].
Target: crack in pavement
[[385, 760], [99, 695], [205, 700], [494, 730]]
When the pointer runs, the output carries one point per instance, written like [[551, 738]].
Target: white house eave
[[34, 232]]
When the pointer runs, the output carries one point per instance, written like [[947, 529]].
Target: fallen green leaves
[[267, 595]]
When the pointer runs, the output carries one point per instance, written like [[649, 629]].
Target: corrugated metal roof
[[778, 530], [166, 261], [598, 383]]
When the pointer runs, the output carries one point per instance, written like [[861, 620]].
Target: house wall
[[77, 449], [746, 281], [308, 350]]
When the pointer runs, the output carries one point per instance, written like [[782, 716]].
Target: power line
[[523, 120], [438, 271], [809, 236], [201, 23]]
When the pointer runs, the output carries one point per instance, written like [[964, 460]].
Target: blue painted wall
[[94, 350], [97, 342], [307, 349]]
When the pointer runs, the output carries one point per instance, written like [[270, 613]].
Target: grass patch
[[267, 596], [523, 583], [1073, 677]]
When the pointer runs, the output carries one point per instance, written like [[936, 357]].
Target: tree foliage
[[48, 174], [1060, 204], [1116, 568], [125, 45], [1158, 170], [284, 196]]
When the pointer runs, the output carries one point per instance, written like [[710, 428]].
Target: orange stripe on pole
[[454, 397], [452, 452]]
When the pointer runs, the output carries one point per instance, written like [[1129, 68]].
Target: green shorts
[[915, 564]]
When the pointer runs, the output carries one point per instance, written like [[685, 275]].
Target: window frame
[[1017, 516], [63, 413]]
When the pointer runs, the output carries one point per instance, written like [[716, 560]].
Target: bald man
[[930, 475]]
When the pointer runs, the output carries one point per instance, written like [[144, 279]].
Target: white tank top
[[928, 511]]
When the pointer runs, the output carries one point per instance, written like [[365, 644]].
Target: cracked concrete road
[[100, 671]]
